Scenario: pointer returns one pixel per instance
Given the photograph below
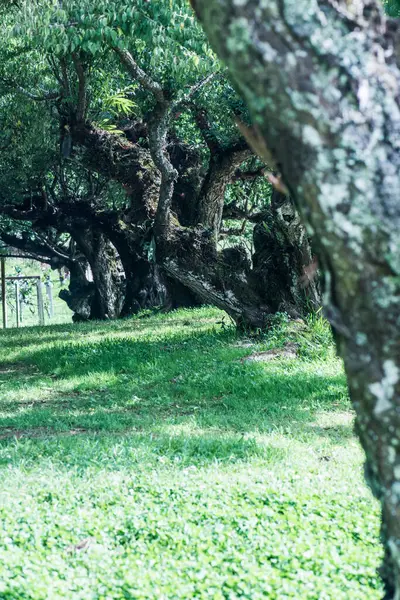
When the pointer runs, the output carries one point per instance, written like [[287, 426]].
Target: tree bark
[[223, 279], [283, 262], [220, 173], [275, 280], [108, 284], [322, 84], [80, 294], [124, 161]]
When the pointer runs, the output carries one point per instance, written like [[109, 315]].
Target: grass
[[148, 458]]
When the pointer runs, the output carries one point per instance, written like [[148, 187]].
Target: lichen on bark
[[322, 83]]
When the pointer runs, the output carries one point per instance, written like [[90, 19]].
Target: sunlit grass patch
[[145, 458]]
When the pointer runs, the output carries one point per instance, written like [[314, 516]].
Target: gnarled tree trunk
[[283, 263], [223, 165], [80, 294], [176, 210], [249, 289], [322, 82], [107, 280]]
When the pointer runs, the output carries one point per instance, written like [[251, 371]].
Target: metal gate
[[22, 300]]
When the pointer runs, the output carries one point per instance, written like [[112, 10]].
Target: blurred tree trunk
[[322, 83]]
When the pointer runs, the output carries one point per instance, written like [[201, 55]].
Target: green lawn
[[146, 458]]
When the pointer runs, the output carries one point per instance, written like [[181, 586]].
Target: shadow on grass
[[64, 332], [112, 452], [185, 396]]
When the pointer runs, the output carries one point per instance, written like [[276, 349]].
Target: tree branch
[[222, 167], [37, 250], [158, 129], [193, 91], [140, 75], [203, 123], [39, 96], [57, 251], [244, 175], [65, 78], [233, 212], [81, 105], [233, 230]]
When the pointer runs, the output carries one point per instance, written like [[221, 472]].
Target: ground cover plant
[[166, 457]]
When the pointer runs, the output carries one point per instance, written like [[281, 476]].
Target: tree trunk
[[146, 285], [277, 281], [224, 279], [80, 294], [323, 86], [221, 170], [283, 264], [107, 281], [188, 253]]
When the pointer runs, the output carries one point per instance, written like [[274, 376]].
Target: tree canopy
[[120, 121]]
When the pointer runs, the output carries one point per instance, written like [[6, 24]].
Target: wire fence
[[29, 300]]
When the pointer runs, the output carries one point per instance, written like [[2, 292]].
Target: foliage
[[146, 458], [313, 338], [164, 35], [39, 48], [392, 8], [26, 147]]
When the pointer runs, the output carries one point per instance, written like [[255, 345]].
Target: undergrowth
[[312, 337]]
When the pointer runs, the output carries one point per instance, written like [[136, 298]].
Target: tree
[[53, 223], [322, 83], [132, 99]]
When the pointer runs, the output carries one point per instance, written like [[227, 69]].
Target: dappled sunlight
[[171, 323], [219, 395], [145, 375], [33, 390], [125, 436]]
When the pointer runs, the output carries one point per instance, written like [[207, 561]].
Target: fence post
[[40, 301], [49, 292], [21, 309], [4, 292], [17, 305]]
